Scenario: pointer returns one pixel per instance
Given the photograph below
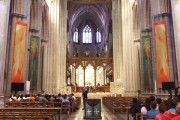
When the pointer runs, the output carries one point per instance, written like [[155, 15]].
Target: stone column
[[84, 68], [104, 75], [176, 18], [5, 6], [117, 47], [56, 49], [20, 12], [125, 75], [95, 77], [36, 30], [160, 7], [75, 77]]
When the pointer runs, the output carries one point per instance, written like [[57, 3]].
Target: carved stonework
[[117, 87]]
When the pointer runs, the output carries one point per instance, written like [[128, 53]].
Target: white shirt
[[144, 110]]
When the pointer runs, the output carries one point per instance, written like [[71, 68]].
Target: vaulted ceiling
[[96, 12]]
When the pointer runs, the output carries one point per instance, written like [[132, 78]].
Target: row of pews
[[37, 110], [117, 104], [120, 104], [74, 104], [30, 113]]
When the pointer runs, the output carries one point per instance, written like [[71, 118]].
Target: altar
[[92, 109]]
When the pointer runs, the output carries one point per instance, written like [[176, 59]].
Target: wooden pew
[[30, 113], [117, 103]]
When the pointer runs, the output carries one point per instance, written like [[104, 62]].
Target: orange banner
[[19, 52], [162, 59]]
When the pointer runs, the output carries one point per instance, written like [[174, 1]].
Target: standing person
[[84, 95], [135, 108]]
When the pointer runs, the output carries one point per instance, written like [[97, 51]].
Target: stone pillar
[[36, 28], [20, 12], [124, 51], [104, 75], [5, 6], [84, 75], [55, 76], [75, 77], [160, 7], [95, 77], [117, 46], [176, 18], [117, 39]]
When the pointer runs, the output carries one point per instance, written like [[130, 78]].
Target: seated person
[[162, 108], [177, 112], [158, 101], [145, 107], [153, 112], [65, 99], [172, 105], [171, 115]]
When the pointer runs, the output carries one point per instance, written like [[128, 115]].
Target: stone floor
[[106, 115]]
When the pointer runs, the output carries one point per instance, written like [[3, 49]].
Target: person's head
[[162, 108], [147, 103], [178, 108], [159, 100], [135, 100], [153, 105], [171, 103], [65, 96], [152, 98]]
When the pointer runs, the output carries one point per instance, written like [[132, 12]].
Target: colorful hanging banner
[[162, 59], [19, 52], [147, 62], [33, 61]]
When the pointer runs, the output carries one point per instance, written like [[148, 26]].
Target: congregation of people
[[68, 102], [156, 109], [43, 98]]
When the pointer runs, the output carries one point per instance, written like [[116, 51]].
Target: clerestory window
[[87, 34], [98, 36], [75, 36]]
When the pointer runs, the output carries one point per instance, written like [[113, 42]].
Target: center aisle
[[105, 113]]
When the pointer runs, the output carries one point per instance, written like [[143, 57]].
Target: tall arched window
[[98, 36], [87, 34], [75, 36]]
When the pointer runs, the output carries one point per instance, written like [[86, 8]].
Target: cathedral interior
[[114, 48]]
